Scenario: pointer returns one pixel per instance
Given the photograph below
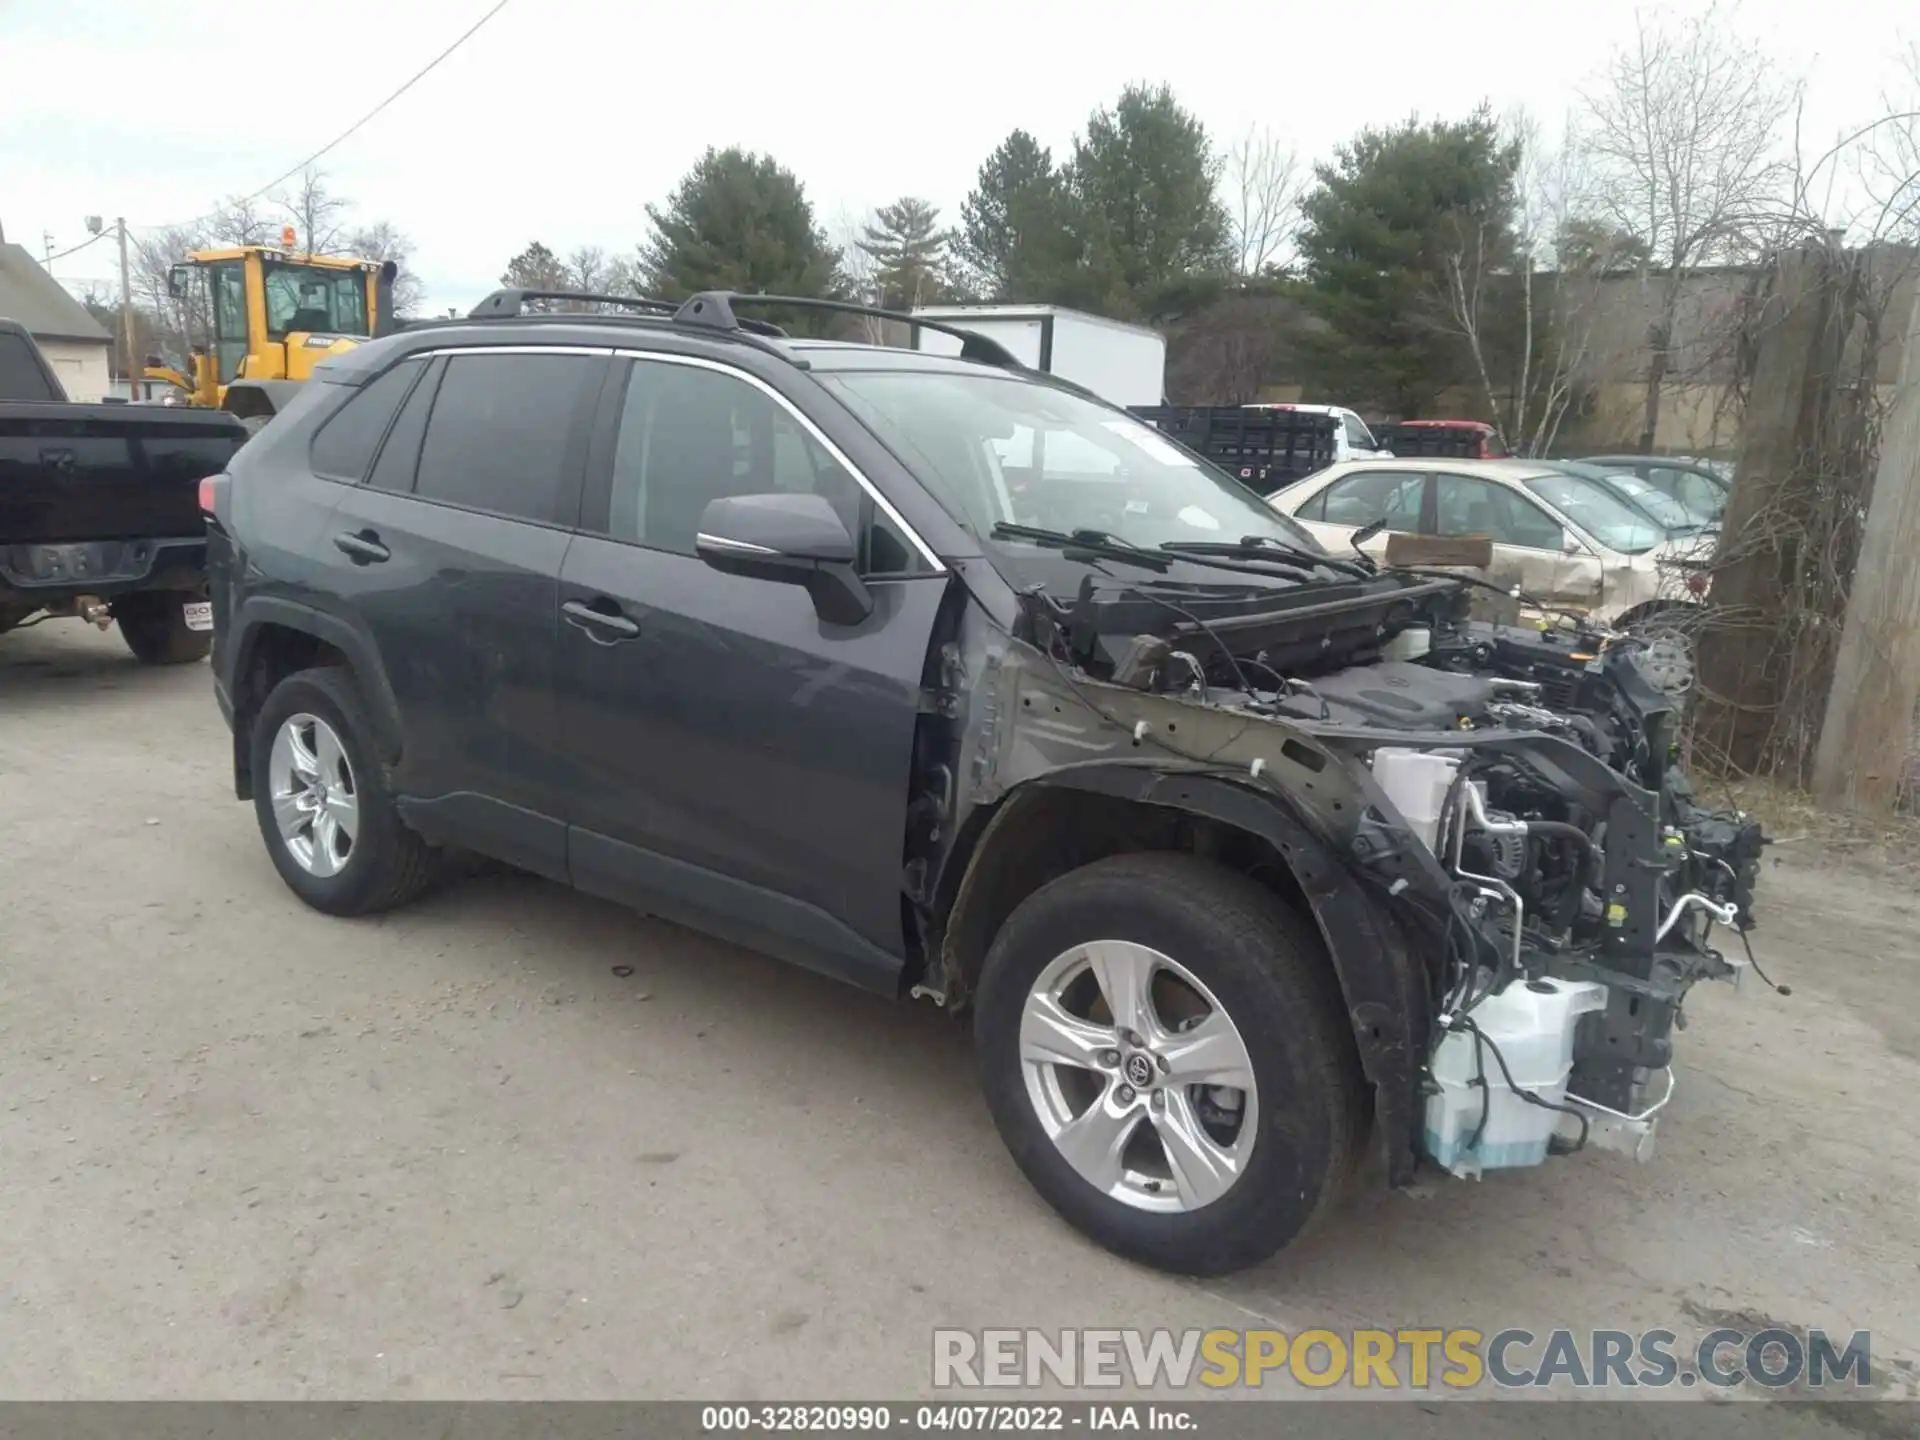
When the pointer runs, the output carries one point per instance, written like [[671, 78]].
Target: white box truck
[[1122, 364]]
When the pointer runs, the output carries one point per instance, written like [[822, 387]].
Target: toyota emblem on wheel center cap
[[1139, 1070]]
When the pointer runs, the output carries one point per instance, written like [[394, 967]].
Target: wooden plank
[[1464, 552]]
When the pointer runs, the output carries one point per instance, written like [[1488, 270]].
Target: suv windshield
[[1601, 513], [998, 450]]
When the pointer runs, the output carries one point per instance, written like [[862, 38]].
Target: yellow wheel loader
[[271, 316]]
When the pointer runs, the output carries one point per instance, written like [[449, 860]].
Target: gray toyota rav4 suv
[[1250, 862]]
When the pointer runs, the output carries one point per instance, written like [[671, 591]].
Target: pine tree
[[739, 221], [1144, 189], [535, 268], [1015, 241], [909, 254], [1379, 225]]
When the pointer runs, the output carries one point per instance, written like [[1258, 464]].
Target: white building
[[76, 345]]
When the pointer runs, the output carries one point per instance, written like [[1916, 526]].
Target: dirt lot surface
[[250, 1151]]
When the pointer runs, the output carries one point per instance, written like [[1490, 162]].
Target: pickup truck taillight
[[211, 490]]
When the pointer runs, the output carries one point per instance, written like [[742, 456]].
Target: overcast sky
[[560, 119]]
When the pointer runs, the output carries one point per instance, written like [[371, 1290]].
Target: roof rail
[[714, 309], [505, 304]]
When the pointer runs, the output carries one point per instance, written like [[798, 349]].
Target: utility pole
[[1869, 738], [1740, 645], [134, 366]]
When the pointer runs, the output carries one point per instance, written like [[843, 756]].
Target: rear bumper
[[46, 573]]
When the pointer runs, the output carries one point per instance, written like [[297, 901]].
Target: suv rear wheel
[[1164, 1051], [323, 802]]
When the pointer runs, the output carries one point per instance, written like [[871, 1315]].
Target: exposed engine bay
[[1510, 795]]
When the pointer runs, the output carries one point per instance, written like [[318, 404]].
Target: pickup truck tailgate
[[107, 472]]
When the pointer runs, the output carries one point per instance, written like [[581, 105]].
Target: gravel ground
[[248, 1151]]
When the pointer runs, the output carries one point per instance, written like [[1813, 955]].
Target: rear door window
[[344, 446], [1358, 500], [505, 435], [1357, 434], [1469, 505]]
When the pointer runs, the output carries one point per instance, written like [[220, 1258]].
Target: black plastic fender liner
[[1380, 974]]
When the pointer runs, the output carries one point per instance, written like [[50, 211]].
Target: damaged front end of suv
[[1509, 871]]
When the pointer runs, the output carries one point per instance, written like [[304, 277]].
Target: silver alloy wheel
[[1666, 659], [1139, 1076], [315, 801]]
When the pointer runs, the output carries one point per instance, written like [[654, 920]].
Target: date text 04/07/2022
[[960, 1416]]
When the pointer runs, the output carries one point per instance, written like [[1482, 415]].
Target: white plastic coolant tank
[[1410, 644], [1532, 1022], [1416, 781]]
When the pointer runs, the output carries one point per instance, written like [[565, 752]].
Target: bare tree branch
[[383, 240], [315, 211], [848, 230], [1683, 133], [1263, 184]]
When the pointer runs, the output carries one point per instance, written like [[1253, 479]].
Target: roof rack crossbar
[[715, 310], [510, 302]]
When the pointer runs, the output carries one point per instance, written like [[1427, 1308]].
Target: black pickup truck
[[99, 509], [1267, 447]]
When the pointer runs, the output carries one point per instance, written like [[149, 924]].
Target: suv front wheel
[[323, 802], [1164, 1051]]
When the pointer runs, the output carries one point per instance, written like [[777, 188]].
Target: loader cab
[[271, 315], [312, 300]]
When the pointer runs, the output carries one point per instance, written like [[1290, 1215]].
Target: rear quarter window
[[344, 446]]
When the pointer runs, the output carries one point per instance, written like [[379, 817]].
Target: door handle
[[603, 627], [364, 547]]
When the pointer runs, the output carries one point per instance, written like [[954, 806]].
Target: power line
[[75, 249], [345, 134]]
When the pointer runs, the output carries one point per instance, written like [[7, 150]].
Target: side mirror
[[1570, 543], [792, 539], [179, 279]]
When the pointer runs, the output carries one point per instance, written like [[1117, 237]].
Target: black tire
[[388, 864], [153, 624], [1270, 972]]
